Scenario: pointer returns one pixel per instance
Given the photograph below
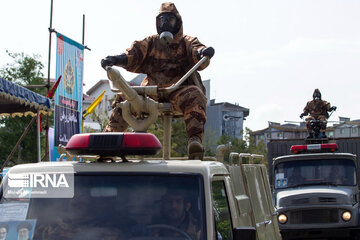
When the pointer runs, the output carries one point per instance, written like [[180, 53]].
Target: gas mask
[[317, 95], [167, 27]]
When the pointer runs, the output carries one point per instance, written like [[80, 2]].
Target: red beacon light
[[113, 144], [328, 147]]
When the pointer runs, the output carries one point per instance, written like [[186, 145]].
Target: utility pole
[[48, 81]]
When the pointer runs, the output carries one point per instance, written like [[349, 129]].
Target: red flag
[[53, 89]]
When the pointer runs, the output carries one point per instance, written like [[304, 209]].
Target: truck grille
[[327, 199], [314, 216], [300, 201]]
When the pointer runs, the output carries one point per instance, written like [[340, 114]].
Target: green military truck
[[316, 192], [108, 195]]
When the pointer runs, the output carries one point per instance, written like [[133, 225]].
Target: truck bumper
[[345, 233]]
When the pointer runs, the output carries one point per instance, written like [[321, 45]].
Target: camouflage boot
[[195, 148]]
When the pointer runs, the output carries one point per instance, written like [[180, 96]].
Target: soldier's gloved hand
[[108, 61], [208, 52], [114, 60], [302, 115], [333, 108]]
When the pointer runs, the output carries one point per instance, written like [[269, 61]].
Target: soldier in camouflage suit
[[318, 110], [164, 64]]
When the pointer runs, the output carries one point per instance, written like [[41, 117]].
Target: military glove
[[208, 52], [333, 108], [302, 115], [120, 60]]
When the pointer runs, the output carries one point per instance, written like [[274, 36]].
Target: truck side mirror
[[244, 233]]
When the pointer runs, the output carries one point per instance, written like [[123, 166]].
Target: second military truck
[[316, 193]]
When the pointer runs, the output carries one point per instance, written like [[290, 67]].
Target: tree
[[209, 141], [24, 70], [256, 148], [178, 136], [100, 117], [238, 145], [245, 146]]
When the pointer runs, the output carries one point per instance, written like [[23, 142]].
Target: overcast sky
[[270, 55]]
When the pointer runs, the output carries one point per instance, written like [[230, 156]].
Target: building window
[[354, 130], [280, 135], [268, 135], [342, 131], [331, 134]]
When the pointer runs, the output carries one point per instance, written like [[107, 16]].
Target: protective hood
[[170, 8]]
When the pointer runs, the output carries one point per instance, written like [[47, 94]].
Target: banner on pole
[[68, 96]]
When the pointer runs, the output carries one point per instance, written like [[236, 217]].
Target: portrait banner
[[68, 96]]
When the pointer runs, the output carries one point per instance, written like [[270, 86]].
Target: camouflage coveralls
[[164, 66], [318, 110]]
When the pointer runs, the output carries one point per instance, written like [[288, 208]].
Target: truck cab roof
[[311, 156], [174, 166]]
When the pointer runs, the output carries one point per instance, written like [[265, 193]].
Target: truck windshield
[[167, 206], [315, 172]]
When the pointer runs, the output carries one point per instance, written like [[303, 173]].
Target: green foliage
[[24, 70], [157, 130], [9, 135], [101, 118], [209, 141], [225, 230], [259, 148], [179, 141], [178, 136], [238, 145], [245, 146], [221, 210]]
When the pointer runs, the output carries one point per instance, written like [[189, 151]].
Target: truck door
[[272, 210], [263, 212]]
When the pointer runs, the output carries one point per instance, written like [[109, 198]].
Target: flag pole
[[48, 81]]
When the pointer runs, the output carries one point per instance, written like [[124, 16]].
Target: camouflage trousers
[[322, 118], [188, 100]]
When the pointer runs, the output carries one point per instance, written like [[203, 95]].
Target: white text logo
[[37, 180]]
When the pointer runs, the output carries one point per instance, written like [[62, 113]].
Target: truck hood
[[314, 195]]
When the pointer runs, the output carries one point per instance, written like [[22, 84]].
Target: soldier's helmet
[[317, 94], [168, 19]]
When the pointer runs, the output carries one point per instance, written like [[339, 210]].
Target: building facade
[[344, 129], [225, 119]]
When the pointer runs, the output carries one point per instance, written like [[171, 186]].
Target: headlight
[[346, 216], [282, 218]]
